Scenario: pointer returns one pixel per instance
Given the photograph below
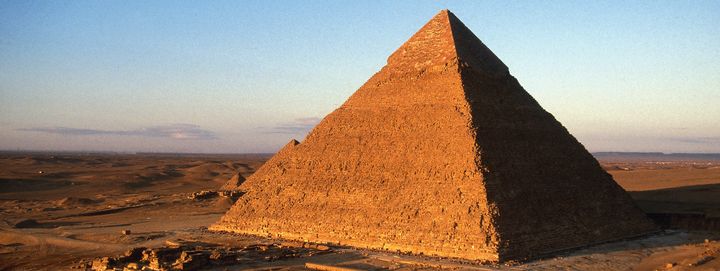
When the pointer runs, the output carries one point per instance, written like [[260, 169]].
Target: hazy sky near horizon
[[247, 76]]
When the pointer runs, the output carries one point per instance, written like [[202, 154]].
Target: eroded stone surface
[[443, 153]]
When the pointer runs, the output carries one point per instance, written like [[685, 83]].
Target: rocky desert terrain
[[75, 211]]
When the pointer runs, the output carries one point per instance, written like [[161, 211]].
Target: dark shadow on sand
[[695, 207]]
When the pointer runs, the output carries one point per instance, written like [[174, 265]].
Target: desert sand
[[64, 211]]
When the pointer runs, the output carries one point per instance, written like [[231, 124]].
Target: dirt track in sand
[[81, 203]]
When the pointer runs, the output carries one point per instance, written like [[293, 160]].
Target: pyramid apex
[[444, 39], [444, 14], [431, 46]]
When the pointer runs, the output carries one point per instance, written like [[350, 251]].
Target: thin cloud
[[174, 131], [698, 140], [297, 126]]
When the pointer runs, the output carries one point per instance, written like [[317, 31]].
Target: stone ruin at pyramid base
[[442, 152]]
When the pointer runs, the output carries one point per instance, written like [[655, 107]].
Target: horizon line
[[268, 153]]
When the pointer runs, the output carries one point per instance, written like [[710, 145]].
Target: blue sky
[[247, 76]]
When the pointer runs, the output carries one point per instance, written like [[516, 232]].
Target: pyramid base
[[555, 252], [488, 257]]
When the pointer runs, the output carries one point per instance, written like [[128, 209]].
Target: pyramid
[[234, 182], [441, 152]]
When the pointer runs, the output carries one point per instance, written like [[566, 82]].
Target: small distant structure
[[442, 152], [234, 182]]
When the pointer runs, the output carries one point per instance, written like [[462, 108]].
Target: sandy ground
[[59, 212]]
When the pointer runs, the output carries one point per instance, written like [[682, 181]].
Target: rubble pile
[[209, 194], [198, 255]]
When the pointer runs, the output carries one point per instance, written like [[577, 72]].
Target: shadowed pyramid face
[[442, 152]]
